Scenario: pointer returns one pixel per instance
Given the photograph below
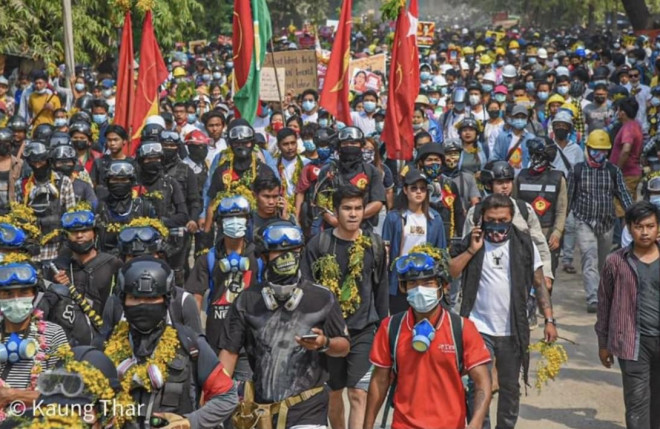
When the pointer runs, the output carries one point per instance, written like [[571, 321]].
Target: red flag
[[152, 73], [334, 96], [125, 91], [404, 86], [242, 42]]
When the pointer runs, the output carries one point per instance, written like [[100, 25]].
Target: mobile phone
[[310, 336]]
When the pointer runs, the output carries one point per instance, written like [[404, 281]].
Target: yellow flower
[[553, 356]]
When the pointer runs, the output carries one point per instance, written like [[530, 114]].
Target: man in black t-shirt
[[360, 258], [288, 327]]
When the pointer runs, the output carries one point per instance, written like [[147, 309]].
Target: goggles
[[35, 149], [415, 261], [241, 132], [232, 205], [20, 273], [167, 136], [121, 169], [145, 234], [150, 149], [350, 134], [281, 234], [83, 219], [64, 152], [57, 381], [11, 236]]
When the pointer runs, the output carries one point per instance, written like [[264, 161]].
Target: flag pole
[[277, 80]]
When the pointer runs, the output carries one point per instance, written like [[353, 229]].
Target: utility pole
[[68, 41]]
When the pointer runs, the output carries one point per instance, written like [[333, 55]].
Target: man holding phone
[[495, 296]]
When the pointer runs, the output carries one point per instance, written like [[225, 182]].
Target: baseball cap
[[519, 109], [413, 176]]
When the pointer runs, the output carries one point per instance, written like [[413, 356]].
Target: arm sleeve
[[605, 292], [198, 280], [232, 336], [382, 289], [180, 216], [459, 214], [562, 209], [380, 350], [475, 352], [308, 258], [620, 190], [193, 199], [539, 240], [376, 188], [190, 312], [334, 324]]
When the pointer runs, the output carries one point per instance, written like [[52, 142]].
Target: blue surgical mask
[[417, 127], [487, 87], [323, 123], [562, 90], [192, 117], [206, 77], [543, 95], [655, 101], [229, 64], [369, 106], [16, 310], [99, 118], [308, 105], [324, 153], [379, 126], [424, 75], [433, 100], [443, 90], [655, 200], [519, 123], [598, 82], [500, 98], [60, 122], [531, 60], [513, 51], [217, 75], [107, 93], [529, 86], [500, 63], [79, 87], [340, 125], [234, 227], [423, 299], [309, 145], [41, 91]]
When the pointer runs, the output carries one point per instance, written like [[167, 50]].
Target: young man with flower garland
[[350, 169], [289, 165], [286, 325], [48, 193], [163, 368], [352, 264], [23, 329]]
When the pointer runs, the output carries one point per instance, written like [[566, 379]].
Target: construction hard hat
[[485, 60], [500, 51], [509, 71], [468, 50], [514, 44], [179, 72], [563, 116], [555, 98], [490, 77], [599, 139], [543, 54], [480, 49]]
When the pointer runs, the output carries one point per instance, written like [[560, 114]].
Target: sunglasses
[[633, 76], [415, 188]]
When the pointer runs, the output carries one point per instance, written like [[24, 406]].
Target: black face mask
[[80, 144], [350, 155], [497, 232], [241, 152], [561, 134], [493, 114], [283, 270], [151, 171], [5, 149], [41, 173], [81, 248], [600, 100], [198, 152], [169, 155], [145, 318], [66, 169], [119, 191]]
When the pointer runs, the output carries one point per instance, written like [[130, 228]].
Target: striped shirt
[[18, 376], [590, 195], [617, 323]]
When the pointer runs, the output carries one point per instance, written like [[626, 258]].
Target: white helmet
[[563, 116], [563, 71], [439, 81], [490, 77], [509, 70], [155, 119], [543, 54]]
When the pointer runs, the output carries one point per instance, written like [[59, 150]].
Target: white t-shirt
[[414, 231], [314, 117], [491, 311], [289, 169]]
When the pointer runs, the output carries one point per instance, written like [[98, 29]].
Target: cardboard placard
[[194, 43], [268, 88], [299, 69], [425, 31]]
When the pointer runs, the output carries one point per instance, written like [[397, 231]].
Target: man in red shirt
[[627, 148], [427, 359]]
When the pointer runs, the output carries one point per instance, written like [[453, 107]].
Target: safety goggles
[[35, 149], [233, 205], [58, 381], [64, 152], [20, 273], [241, 132], [76, 220], [121, 169], [281, 234], [350, 134], [167, 136], [145, 234], [11, 236], [150, 149], [414, 261]]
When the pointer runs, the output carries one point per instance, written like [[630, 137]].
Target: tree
[[638, 13]]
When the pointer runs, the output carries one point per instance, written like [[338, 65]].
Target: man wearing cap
[[43, 102], [432, 349], [511, 144]]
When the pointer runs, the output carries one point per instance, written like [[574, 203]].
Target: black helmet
[[81, 116], [145, 277], [6, 135], [17, 123], [418, 266], [239, 131], [58, 138], [474, 85], [139, 241], [350, 134], [100, 361], [63, 153], [149, 149], [151, 132], [120, 169], [653, 185], [452, 144], [43, 132], [468, 122], [84, 103], [496, 170], [543, 146], [428, 149], [35, 151], [323, 136], [80, 127]]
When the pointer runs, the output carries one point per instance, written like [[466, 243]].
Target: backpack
[[393, 331], [522, 207], [210, 260], [377, 248]]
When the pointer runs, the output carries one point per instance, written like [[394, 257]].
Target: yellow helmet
[[480, 49], [500, 51], [468, 50], [555, 98], [514, 44], [485, 60], [599, 139], [178, 72], [571, 107]]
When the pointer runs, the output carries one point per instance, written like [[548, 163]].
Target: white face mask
[[234, 227], [16, 310], [423, 299]]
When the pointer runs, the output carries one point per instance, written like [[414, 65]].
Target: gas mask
[[423, 334]]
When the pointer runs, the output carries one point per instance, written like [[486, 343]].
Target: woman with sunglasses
[[411, 223]]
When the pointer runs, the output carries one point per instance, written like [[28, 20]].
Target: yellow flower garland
[[80, 206], [290, 199], [553, 356], [22, 216], [50, 236], [97, 384], [440, 256], [156, 224], [153, 195], [452, 223], [327, 273], [14, 256], [238, 190]]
